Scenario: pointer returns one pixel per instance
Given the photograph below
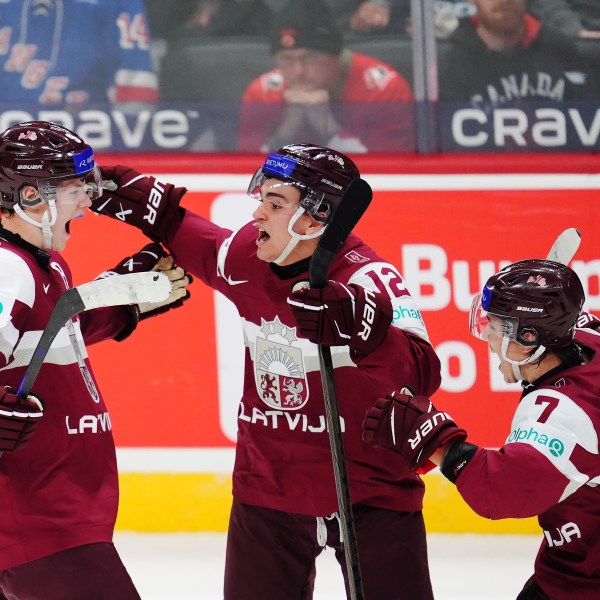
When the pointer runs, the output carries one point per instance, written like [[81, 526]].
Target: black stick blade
[[351, 208]]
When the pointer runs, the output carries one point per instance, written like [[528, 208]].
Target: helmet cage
[[311, 200], [46, 193], [479, 325], [47, 188], [541, 297]]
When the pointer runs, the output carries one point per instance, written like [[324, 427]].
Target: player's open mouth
[[263, 237]]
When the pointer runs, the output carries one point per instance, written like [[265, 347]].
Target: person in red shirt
[[58, 471], [530, 315], [323, 93]]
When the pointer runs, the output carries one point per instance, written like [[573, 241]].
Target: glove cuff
[[457, 457], [134, 318], [171, 218]]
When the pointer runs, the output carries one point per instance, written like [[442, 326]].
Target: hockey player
[[549, 465], [58, 471], [285, 503]]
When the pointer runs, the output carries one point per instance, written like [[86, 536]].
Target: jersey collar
[[41, 256]]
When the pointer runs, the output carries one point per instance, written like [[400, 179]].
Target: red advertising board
[[165, 385]]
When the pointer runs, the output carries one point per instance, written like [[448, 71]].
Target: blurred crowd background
[[356, 75]]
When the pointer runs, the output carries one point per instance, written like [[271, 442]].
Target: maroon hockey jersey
[[59, 490], [283, 457], [550, 467]]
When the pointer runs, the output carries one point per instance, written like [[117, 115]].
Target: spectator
[[503, 55], [324, 93], [575, 18], [460, 8], [65, 53], [248, 17], [58, 470], [364, 17], [372, 16], [549, 467], [447, 15], [197, 18]]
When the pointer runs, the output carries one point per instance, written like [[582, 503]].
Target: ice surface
[[463, 567]]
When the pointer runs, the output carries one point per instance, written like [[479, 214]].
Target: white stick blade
[[565, 246], [132, 288]]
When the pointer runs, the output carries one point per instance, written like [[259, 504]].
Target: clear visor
[[259, 179], [90, 184], [93, 183], [481, 322], [310, 200]]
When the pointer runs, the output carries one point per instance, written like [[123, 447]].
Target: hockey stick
[[565, 246], [353, 204], [133, 288]]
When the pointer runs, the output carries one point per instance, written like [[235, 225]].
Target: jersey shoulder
[[358, 263], [17, 283], [17, 275], [556, 421], [236, 256], [354, 255]]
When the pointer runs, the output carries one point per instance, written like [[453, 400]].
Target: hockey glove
[[18, 418], [144, 260], [139, 200], [152, 257], [587, 320], [342, 315], [179, 292], [410, 426]]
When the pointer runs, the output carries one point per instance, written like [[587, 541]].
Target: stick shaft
[[342, 483], [355, 201], [112, 291], [68, 305]]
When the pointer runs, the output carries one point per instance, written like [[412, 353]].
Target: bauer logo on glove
[[410, 426], [342, 315], [139, 200]]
